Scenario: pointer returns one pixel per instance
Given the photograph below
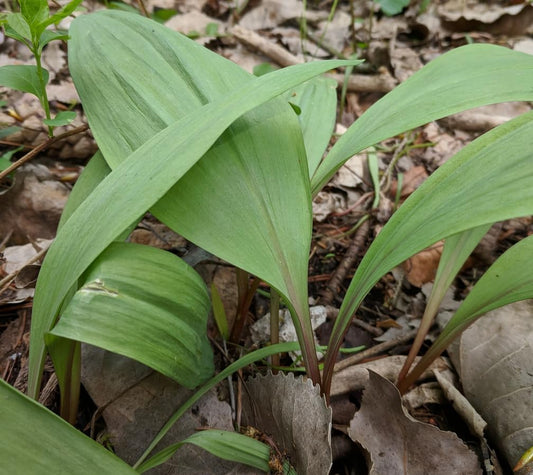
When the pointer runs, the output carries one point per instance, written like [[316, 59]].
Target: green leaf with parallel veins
[[146, 304], [36, 441], [508, 280], [317, 101], [224, 444], [455, 198], [466, 77]]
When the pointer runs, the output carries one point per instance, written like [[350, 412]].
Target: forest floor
[[261, 35]]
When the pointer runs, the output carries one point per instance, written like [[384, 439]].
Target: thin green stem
[[43, 96], [232, 368]]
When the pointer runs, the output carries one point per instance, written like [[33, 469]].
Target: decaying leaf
[[291, 411], [399, 444], [494, 359], [136, 402]]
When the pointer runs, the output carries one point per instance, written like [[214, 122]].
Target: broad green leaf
[[146, 304], [317, 100], [127, 192], [466, 77], [257, 169], [224, 444], [61, 118], [242, 362], [22, 78], [19, 26], [508, 280], [36, 441], [489, 180], [94, 172]]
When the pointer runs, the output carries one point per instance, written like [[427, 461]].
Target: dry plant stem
[[348, 261], [40, 148], [375, 350], [356, 82], [274, 324], [143, 9], [245, 300]]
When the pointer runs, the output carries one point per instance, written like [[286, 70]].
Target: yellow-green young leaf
[[467, 77], [489, 180], [17, 27], [508, 280], [146, 304], [224, 444], [22, 78], [36, 441], [219, 312]]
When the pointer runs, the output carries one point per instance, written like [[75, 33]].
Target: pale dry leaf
[[494, 358], [355, 377], [293, 413], [404, 62], [193, 21], [272, 13], [399, 444], [326, 203]]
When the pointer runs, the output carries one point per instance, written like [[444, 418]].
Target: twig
[[346, 264], [375, 350], [332, 313], [382, 82], [40, 148]]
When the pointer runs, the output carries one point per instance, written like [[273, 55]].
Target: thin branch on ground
[[347, 263], [40, 148]]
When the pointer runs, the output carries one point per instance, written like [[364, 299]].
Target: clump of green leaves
[[30, 26], [216, 155]]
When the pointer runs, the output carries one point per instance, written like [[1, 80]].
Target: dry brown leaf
[[399, 444], [422, 267], [293, 413], [494, 359]]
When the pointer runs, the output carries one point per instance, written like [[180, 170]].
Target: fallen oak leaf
[[398, 444]]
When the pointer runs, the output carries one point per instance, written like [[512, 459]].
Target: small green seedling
[[30, 27]]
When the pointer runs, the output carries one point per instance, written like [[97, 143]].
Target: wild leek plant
[[221, 158]]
